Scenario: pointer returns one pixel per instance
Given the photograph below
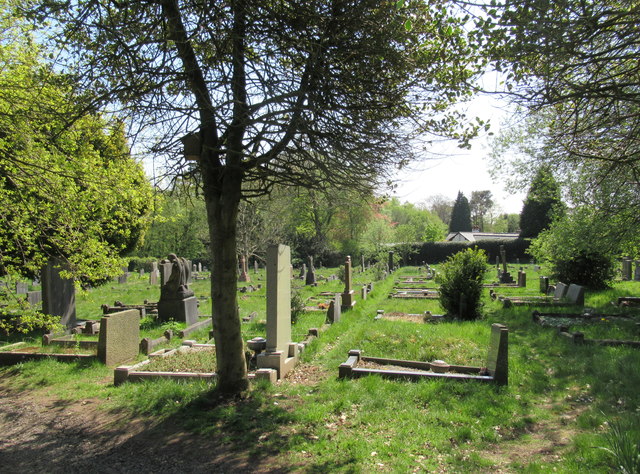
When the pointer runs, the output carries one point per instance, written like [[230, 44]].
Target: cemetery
[[319, 237], [391, 353]]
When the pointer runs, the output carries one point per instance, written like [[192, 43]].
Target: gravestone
[[362, 263], [505, 276], [390, 263], [141, 272], [280, 353], [311, 272], [522, 279], [177, 301], [636, 273], [544, 284], [348, 300], [194, 268], [335, 309], [244, 274], [255, 265], [199, 266], [560, 291], [34, 298], [122, 279], [575, 294], [303, 272], [58, 294], [626, 269], [165, 271], [153, 277], [21, 288], [498, 356], [363, 292], [119, 337]]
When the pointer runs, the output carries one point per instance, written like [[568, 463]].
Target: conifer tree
[[543, 200], [460, 215]]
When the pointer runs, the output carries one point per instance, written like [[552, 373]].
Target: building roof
[[474, 236]]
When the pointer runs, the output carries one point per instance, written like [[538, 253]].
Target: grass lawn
[[553, 416]]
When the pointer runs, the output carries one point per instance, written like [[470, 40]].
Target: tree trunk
[[222, 193]]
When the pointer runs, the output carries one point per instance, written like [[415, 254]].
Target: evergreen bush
[[460, 279]]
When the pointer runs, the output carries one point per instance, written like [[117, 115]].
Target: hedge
[[438, 252]]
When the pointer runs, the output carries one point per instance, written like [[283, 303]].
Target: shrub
[[591, 269], [460, 279], [297, 306]]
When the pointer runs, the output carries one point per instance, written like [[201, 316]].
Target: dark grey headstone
[[498, 357], [58, 294]]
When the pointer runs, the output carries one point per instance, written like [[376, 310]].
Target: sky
[[456, 169]]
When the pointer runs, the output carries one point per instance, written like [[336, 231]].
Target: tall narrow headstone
[[255, 265], [348, 300], [362, 263], [391, 267], [199, 267], [280, 352], [278, 298], [626, 269], [58, 294], [303, 272], [636, 273], [244, 275], [311, 272]]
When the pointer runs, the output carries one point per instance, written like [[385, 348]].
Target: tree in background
[[543, 202], [179, 225], [506, 223], [460, 215], [68, 185], [441, 206], [480, 205]]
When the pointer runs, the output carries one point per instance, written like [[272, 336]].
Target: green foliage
[[542, 204], [460, 279], [460, 215], [20, 318], [297, 306], [623, 439], [68, 185], [480, 205], [179, 225], [579, 248]]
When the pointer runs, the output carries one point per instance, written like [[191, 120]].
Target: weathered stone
[[185, 309], [34, 298], [334, 312], [560, 291], [58, 294], [498, 356], [544, 284], [348, 300], [575, 294], [119, 337], [311, 272], [21, 288]]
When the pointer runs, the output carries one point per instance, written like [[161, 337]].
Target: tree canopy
[[68, 185]]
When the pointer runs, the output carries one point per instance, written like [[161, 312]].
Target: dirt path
[[39, 433]]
